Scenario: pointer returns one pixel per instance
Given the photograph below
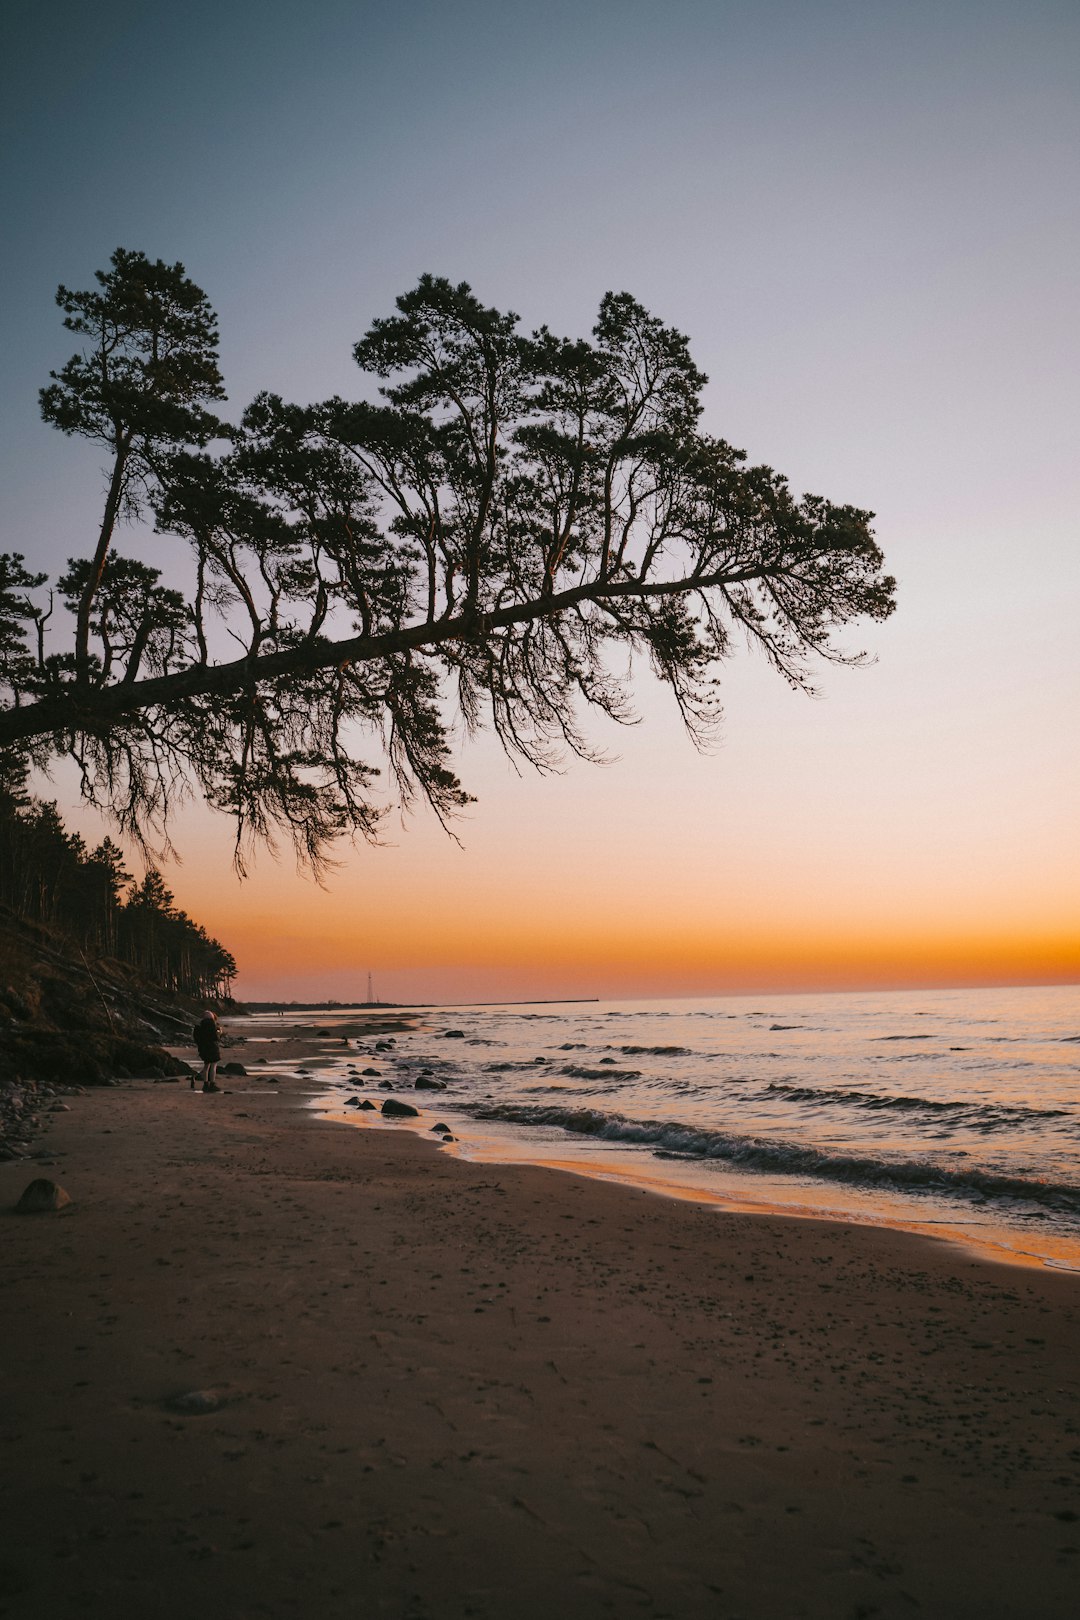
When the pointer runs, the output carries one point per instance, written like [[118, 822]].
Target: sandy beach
[[269, 1365]]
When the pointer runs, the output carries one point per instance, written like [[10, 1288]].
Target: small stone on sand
[[195, 1402], [42, 1197]]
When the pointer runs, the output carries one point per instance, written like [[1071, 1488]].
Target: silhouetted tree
[[48, 876], [514, 518], [107, 878]]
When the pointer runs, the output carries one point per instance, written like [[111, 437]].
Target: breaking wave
[[526, 1066], [610, 1071], [985, 1114], [656, 1051], [787, 1158]]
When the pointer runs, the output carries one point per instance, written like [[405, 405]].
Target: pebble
[[194, 1402]]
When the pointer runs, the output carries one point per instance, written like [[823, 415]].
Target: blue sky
[[863, 214]]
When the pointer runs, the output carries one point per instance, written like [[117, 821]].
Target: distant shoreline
[[406, 1006]]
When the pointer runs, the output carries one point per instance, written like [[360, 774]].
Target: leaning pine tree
[[491, 539]]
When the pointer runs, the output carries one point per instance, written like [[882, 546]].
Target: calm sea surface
[[951, 1111]]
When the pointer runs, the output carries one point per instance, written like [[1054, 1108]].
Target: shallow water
[[955, 1111]]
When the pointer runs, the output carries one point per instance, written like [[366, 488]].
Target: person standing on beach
[[208, 1040]]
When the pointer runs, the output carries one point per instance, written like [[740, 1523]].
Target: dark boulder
[[399, 1110], [367, 1103], [423, 1083], [42, 1197], [374, 1073], [233, 1068], [453, 1034]]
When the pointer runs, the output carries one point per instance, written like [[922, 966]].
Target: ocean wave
[[577, 1071], [904, 1057], [903, 1037], [656, 1051], [789, 1158], [509, 1066], [1001, 1114]]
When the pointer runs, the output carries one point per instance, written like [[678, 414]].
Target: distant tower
[[370, 996]]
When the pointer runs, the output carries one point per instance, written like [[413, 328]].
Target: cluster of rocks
[[394, 1107], [24, 1110]]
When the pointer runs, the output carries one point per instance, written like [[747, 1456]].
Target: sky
[[865, 217]]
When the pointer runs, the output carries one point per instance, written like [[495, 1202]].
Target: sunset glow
[[863, 233]]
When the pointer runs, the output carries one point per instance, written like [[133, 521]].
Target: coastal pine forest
[[50, 876]]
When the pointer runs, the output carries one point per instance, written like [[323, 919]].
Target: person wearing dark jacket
[[208, 1040]]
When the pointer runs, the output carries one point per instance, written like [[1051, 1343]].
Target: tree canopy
[[490, 536]]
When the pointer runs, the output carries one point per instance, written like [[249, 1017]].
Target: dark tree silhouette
[[493, 538], [48, 876]]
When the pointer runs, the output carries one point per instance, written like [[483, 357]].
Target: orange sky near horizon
[[794, 857], [552, 958]]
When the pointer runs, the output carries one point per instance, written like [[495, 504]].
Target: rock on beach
[[42, 1197]]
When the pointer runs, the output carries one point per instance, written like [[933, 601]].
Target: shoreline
[[757, 1195], [630, 1175], [440, 1387]]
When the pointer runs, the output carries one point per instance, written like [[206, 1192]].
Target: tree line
[[493, 532], [51, 876]]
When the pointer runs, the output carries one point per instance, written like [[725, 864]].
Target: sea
[[951, 1112]]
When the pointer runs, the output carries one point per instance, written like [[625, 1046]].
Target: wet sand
[[267, 1365]]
